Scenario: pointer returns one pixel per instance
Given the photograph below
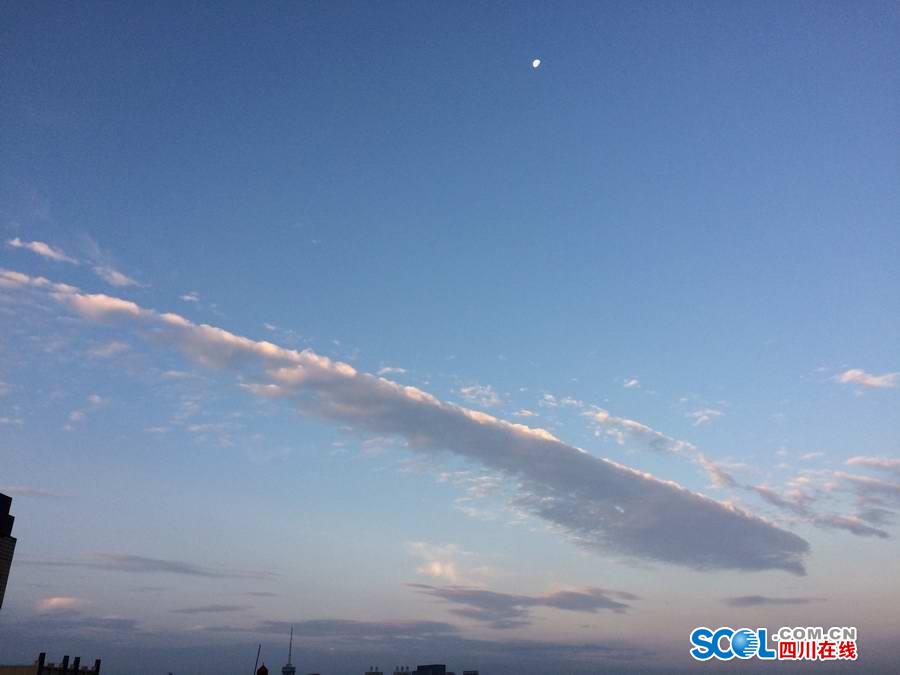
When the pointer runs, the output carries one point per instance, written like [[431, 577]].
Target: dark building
[[41, 667], [430, 669], [7, 543]]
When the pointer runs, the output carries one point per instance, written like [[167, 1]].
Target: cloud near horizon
[[766, 601], [599, 504], [212, 609], [506, 610]]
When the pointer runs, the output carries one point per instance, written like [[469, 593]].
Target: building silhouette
[[41, 667], [7, 543], [429, 669]]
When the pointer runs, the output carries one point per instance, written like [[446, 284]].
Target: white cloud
[[109, 349], [42, 249], [480, 395], [192, 296], [114, 277], [441, 561], [857, 376], [551, 401], [704, 416], [631, 383], [524, 412], [600, 504], [390, 370], [78, 416]]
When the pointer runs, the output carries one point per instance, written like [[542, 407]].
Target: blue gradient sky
[[673, 245]]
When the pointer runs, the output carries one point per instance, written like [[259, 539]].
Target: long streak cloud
[[600, 504]]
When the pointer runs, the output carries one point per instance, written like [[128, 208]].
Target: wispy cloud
[[868, 487], [831, 521], [191, 296], [135, 564], [506, 610], [42, 249], [482, 395], [861, 377], [795, 501], [29, 491], [602, 505], [890, 464], [103, 265], [850, 523], [356, 630], [622, 429], [63, 616], [767, 601], [110, 349], [631, 383], [212, 609], [719, 477], [391, 370], [114, 277], [877, 515], [94, 402], [704, 416]]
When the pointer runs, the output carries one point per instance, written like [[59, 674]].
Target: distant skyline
[[499, 334]]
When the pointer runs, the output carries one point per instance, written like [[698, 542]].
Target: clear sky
[[345, 316]]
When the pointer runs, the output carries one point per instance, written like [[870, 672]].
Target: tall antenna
[[291, 645]]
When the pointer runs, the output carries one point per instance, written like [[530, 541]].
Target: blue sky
[[672, 246]]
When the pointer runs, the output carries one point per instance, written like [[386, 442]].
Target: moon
[[536, 64]]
